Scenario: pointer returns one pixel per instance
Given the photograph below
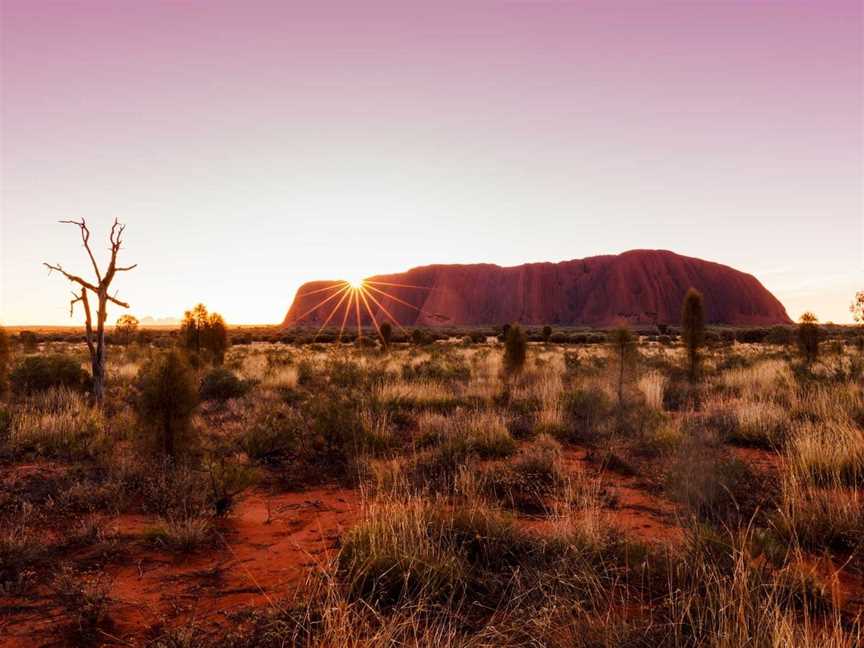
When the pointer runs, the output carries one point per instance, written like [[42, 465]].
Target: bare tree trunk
[[96, 342]]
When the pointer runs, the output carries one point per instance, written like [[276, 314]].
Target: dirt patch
[[262, 553]]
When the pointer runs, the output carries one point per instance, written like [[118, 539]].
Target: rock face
[[640, 286]]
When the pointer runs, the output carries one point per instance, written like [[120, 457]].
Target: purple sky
[[251, 146]]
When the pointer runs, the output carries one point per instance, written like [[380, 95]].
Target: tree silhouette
[[693, 328], [96, 339], [808, 337]]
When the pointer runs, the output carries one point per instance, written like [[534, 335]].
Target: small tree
[[693, 328], [808, 337], [547, 333], [419, 337], [99, 288], [623, 346], [5, 361], [515, 350], [126, 328], [386, 334], [203, 331], [857, 307], [168, 395]]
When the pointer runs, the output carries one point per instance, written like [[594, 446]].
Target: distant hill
[[160, 321], [640, 286]]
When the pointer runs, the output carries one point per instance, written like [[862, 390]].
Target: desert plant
[[5, 360], [203, 331], [857, 307], [547, 334], [221, 385], [85, 600], [808, 338], [515, 350], [96, 340], [125, 329], [39, 373], [167, 398], [623, 347], [693, 328], [386, 332]]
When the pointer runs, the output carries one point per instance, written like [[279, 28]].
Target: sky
[[251, 146]]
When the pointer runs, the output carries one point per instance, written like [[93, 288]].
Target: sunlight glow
[[356, 291]]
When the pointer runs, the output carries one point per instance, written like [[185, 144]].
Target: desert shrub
[[42, 372], [528, 480], [21, 551], [751, 335], [203, 332], [183, 533], [515, 350], [386, 332], [125, 329], [436, 371], [622, 346], [5, 361], [546, 334], [419, 337], [85, 599], [808, 338], [586, 411], [221, 384], [779, 335], [693, 328], [274, 431], [167, 397]]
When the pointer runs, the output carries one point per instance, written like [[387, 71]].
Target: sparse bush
[[5, 361], [623, 347], [808, 338], [386, 334], [205, 332], [547, 334], [167, 398], [586, 410], [39, 373], [221, 385], [693, 328], [85, 599], [515, 349], [125, 329]]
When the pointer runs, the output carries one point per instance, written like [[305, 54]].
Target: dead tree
[[96, 340]]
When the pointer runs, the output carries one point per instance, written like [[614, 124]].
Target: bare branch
[[85, 238], [77, 298], [71, 277], [127, 268], [117, 301]]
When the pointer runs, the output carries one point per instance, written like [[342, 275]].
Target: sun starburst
[[357, 296]]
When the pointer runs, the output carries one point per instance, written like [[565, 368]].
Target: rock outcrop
[[640, 286]]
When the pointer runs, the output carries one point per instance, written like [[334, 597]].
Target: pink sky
[[251, 146]]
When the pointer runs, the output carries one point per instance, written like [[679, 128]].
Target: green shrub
[[221, 384], [40, 373], [274, 433], [167, 398], [515, 350]]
